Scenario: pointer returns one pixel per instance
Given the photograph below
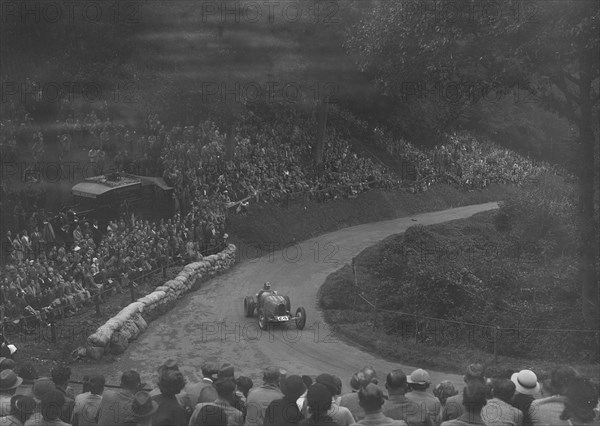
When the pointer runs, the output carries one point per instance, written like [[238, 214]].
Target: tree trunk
[[319, 147], [589, 285]]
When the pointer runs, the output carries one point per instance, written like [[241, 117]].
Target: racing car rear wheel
[[249, 306], [288, 304], [300, 318], [262, 321]]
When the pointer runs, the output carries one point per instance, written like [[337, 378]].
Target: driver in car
[[266, 289]]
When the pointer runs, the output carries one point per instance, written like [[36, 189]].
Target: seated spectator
[[143, 408], [209, 370], [86, 406], [371, 400], [9, 382], [116, 406], [61, 375], [398, 406], [420, 381], [211, 415], [526, 386], [350, 400], [225, 390], [51, 409], [21, 409], [444, 390], [581, 398], [547, 411], [473, 402], [318, 399], [170, 412], [260, 398], [498, 411], [284, 411], [454, 406]]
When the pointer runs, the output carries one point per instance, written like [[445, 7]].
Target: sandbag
[[94, 352], [140, 323]]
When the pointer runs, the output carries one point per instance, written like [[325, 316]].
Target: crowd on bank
[[490, 396]]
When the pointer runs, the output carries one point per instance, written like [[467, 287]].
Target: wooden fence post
[[496, 333], [416, 328]]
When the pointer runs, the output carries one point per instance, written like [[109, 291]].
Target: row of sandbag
[[114, 335]]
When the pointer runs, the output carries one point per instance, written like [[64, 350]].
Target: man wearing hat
[[51, 407], [87, 403], [259, 398], [454, 406], [284, 411], [398, 406], [319, 400], [350, 400], [21, 409], [420, 381], [9, 382], [143, 407], [526, 387], [116, 406], [225, 388], [341, 415], [210, 394], [209, 370], [371, 400]]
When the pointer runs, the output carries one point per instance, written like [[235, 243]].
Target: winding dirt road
[[210, 324]]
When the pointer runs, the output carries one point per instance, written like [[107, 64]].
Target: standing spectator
[[225, 391], [60, 376], [527, 386], [21, 409], [319, 400], [350, 400], [9, 382], [143, 408], [116, 406], [209, 370], [284, 411], [547, 411], [51, 409], [419, 383], [581, 398], [301, 401], [398, 406], [341, 415], [210, 394], [170, 412], [473, 402], [371, 400], [86, 404], [498, 411], [182, 398], [29, 375], [260, 398], [454, 406], [444, 390], [243, 385], [211, 415]]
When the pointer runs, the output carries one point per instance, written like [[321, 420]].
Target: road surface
[[209, 324]]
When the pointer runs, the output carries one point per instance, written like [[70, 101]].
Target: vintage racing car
[[273, 308]]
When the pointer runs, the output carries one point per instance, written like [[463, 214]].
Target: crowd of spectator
[[492, 396], [46, 277]]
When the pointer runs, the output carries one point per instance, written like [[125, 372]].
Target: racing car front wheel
[[262, 321], [300, 318]]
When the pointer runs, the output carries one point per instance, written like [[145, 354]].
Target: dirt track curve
[[210, 324]]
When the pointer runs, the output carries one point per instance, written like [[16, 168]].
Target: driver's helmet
[[267, 286]]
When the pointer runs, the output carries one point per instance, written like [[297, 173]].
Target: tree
[[457, 55]]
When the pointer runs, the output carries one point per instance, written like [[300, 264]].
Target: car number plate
[[283, 318]]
